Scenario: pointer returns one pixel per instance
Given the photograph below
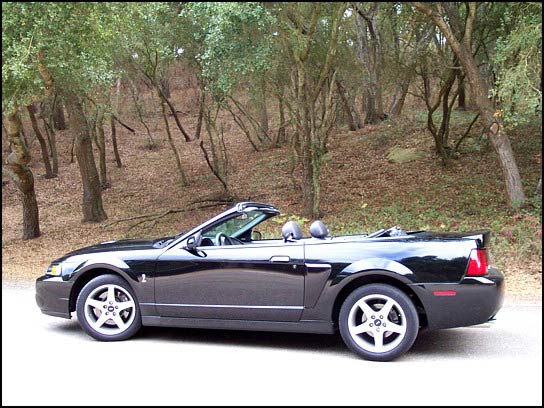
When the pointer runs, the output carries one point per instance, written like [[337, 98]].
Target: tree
[[230, 46], [68, 49], [447, 18], [16, 167], [410, 35], [149, 41], [310, 98], [518, 60], [20, 87]]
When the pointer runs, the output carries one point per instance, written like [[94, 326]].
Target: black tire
[[124, 318], [402, 317]]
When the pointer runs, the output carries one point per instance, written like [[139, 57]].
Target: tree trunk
[[281, 137], [369, 54], [201, 100], [494, 129], [400, 96], [354, 120], [114, 142], [165, 87], [262, 112], [461, 101], [59, 121], [309, 198], [25, 139], [52, 138], [101, 144], [489, 117], [93, 210], [43, 145], [17, 168], [171, 141], [218, 163], [163, 99]]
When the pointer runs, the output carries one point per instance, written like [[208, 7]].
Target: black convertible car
[[377, 289]]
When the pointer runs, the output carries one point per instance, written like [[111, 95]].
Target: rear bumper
[[474, 300], [53, 296]]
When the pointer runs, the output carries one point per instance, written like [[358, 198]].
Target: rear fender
[[376, 265]]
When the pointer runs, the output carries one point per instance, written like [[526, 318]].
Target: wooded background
[[364, 114]]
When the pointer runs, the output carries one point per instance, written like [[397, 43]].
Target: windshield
[[238, 225]]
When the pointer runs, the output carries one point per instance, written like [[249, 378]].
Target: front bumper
[[474, 300], [53, 296]]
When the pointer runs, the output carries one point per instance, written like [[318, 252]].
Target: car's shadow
[[447, 343], [292, 341]]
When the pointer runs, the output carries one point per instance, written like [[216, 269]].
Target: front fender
[[111, 263], [143, 288]]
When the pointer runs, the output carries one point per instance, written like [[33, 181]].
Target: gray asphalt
[[50, 361]]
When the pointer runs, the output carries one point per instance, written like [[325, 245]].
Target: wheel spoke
[[125, 305], [384, 311], [111, 293], [367, 310], [95, 303], [100, 321], [396, 328], [378, 341], [118, 321], [362, 328]]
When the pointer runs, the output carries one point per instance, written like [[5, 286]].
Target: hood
[[122, 245]]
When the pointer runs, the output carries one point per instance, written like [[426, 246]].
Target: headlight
[[54, 270]]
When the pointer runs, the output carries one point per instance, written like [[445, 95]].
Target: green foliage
[[73, 41], [149, 38], [519, 63], [230, 42]]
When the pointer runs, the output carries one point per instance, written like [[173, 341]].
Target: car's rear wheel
[[107, 309], [378, 322]]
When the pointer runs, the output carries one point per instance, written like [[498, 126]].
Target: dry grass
[[361, 190]]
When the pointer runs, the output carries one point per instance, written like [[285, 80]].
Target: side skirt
[[303, 326]]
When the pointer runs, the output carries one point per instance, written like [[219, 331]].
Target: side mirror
[[194, 241]]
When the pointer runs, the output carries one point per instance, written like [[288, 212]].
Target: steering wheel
[[223, 239]]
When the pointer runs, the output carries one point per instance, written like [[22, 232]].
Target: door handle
[[280, 258]]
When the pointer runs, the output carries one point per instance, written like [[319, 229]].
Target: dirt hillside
[[361, 190]]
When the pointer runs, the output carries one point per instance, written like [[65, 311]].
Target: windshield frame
[[234, 211]]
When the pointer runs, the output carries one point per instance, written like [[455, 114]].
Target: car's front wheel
[[107, 309], [378, 322]]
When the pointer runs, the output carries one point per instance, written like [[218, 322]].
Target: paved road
[[50, 361]]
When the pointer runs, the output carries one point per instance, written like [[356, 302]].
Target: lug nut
[[377, 329], [106, 313], [117, 307], [373, 317], [114, 313], [111, 303], [384, 325], [381, 317], [371, 325], [105, 306]]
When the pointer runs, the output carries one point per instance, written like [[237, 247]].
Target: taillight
[[477, 264]]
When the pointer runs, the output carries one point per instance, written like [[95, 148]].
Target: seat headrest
[[318, 229], [291, 230]]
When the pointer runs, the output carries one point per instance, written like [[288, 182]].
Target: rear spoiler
[[482, 237]]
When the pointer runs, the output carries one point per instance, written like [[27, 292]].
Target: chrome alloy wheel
[[109, 309], [377, 323]]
